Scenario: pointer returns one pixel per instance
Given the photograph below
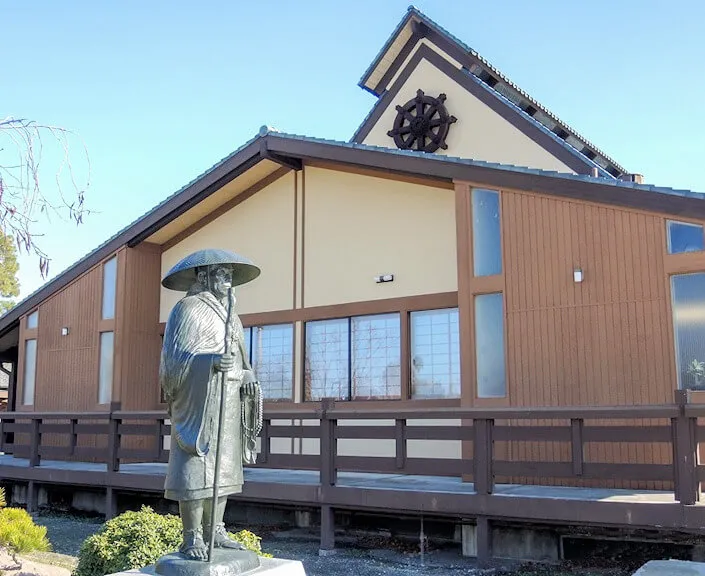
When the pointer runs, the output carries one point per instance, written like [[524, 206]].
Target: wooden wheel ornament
[[422, 124]]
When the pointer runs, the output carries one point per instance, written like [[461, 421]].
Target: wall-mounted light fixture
[[577, 275], [384, 278], [65, 331]]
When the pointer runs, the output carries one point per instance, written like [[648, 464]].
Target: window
[[684, 237], [327, 360], [376, 350], [109, 287], [105, 374], [688, 298], [489, 346], [354, 358], [435, 354], [30, 371], [272, 359], [486, 237], [33, 320]]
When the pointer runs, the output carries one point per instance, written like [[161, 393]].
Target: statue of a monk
[[203, 356]]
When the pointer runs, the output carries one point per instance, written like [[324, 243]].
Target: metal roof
[[255, 149], [508, 91]]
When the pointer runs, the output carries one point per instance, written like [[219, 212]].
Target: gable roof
[[293, 151], [413, 27]]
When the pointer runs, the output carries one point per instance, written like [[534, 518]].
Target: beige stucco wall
[[480, 133], [358, 227], [261, 228]]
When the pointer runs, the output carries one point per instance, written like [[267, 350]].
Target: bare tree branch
[[23, 193]]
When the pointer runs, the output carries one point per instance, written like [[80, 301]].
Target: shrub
[[2, 498], [131, 540], [138, 539], [19, 534]]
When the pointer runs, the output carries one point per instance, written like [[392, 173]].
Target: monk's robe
[[193, 339]]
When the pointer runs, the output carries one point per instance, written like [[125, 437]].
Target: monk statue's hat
[[184, 273]]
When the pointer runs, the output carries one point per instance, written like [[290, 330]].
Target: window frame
[[249, 329], [668, 222], [351, 397]]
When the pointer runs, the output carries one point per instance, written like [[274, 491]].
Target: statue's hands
[[224, 362], [250, 386]]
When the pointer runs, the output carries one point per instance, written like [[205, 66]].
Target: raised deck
[[329, 480]]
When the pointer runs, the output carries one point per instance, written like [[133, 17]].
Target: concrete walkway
[[671, 568]]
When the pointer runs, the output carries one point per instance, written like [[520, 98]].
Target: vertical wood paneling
[[601, 342], [140, 332], [67, 366]]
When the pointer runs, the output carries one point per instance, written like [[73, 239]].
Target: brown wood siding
[[139, 337], [67, 366], [604, 341]]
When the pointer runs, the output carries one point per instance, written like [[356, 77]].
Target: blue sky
[[160, 91]]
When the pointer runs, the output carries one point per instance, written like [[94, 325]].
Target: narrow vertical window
[[272, 360], [327, 358], [248, 344], [435, 354], [486, 237], [688, 298], [489, 346], [684, 237], [33, 320], [376, 351], [105, 374], [109, 288], [30, 371]]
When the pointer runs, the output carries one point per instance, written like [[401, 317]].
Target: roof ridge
[[413, 11]]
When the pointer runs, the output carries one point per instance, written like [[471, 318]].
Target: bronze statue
[[214, 399]]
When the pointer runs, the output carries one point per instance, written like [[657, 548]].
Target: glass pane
[[30, 371], [489, 344], [272, 360], [105, 377], [109, 286], [684, 237], [326, 360], [688, 296], [376, 354], [248, 343], [486, 240], [435, 354], [33, 320]]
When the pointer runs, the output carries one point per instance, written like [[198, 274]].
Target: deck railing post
[[328, 475], [159, 447], [114, 444], [685, 472], [483, 456], [577, 446], [36, 440], [328, 444], [264, 442], [73, 440], [400, 438]]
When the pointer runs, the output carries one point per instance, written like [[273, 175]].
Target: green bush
[[19, 534], [138, 539]]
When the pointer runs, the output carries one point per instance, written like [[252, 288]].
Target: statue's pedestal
[[225, 563]]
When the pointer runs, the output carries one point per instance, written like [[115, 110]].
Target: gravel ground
[[364, 556]]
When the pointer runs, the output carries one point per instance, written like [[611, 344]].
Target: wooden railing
[[477, 431]]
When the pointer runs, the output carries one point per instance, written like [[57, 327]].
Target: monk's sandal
[[222, 540], [193, 541]]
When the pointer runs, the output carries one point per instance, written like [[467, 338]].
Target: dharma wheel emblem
[[422, 124]]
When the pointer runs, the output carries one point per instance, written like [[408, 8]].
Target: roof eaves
[[117, 240], [623, 184], [411, 11]]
